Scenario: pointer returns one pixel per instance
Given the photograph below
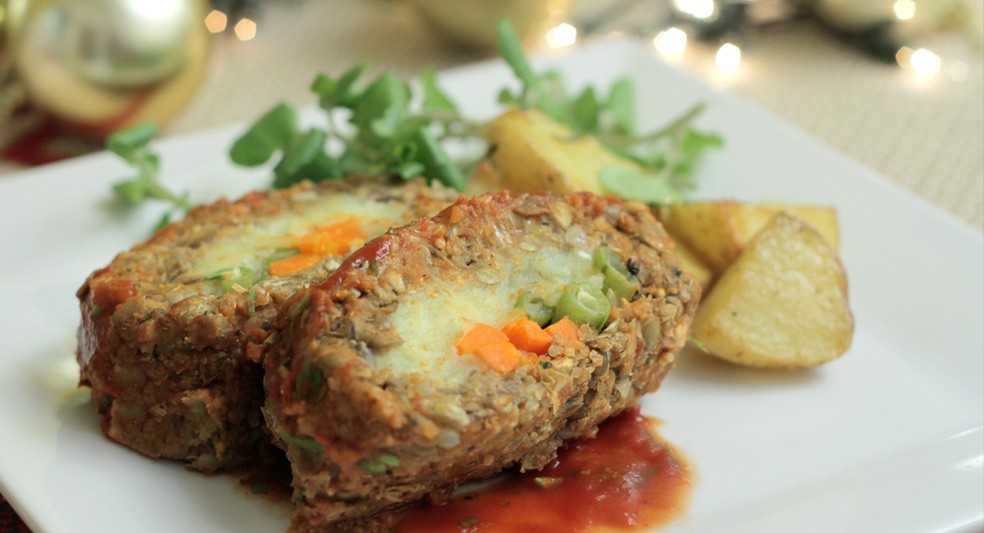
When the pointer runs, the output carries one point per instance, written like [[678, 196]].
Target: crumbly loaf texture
[[362, 438], [174, 368]]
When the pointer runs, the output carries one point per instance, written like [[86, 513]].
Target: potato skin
[[174, 371], [337, 414], [532, 152], [782, 304], [717, 232]]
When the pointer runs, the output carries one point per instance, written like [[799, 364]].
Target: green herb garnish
[[251, 301], [466, 523], [386, 132], [546, 482], [133, 145], [699, 344], [306, 443], [666, 157], [380, 463], [386, 135], [301, 305], [310, 382]]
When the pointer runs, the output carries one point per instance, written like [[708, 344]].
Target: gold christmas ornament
[[98, 66]]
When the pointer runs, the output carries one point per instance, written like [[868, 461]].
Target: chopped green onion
[[466, 523], [699, 344], [380, 463], [545, 482], [276, 255], [301, 305], [251, 301], [310, 382], [305, 443]]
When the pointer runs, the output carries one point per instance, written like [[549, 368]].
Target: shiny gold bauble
[[99, 66]]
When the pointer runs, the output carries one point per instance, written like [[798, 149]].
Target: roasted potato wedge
[[783, 303], [717, 232], [531, 152]]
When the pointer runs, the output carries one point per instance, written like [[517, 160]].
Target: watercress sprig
[[666, 157], [133, 146], [387, 134]]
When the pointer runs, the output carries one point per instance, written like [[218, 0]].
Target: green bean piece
[[604, 257], [618, 279], [536, 308], [583, 304]]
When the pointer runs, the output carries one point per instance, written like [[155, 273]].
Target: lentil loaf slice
[[173, 330], [375, 405]]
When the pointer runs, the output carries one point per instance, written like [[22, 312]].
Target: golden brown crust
[[362, 438], [172, 367]]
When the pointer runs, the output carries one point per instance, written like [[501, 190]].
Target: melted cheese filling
[[433, 315], [252, 246]]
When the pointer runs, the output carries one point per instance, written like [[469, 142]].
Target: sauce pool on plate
[[626, 478]]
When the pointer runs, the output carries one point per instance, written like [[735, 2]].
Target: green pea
[[618, 279], [583, 304], [536, 308]]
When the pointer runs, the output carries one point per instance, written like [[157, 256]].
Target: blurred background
[[896, 84]]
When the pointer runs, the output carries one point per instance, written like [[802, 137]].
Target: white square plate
[[887, 438]]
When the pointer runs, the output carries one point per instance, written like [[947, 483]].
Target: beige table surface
[[927, 135]]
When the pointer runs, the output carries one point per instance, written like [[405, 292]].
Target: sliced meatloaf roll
[[173, 330], [479, 339]]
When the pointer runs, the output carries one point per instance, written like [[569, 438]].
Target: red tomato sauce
[[625, 479]]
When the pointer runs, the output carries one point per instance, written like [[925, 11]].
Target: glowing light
[[701, 9], [671, 41], [561, 35], [903, 56], [216, 21], [157, 10], [925, 63], [245, 29], [728, 57], [904, 9]]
